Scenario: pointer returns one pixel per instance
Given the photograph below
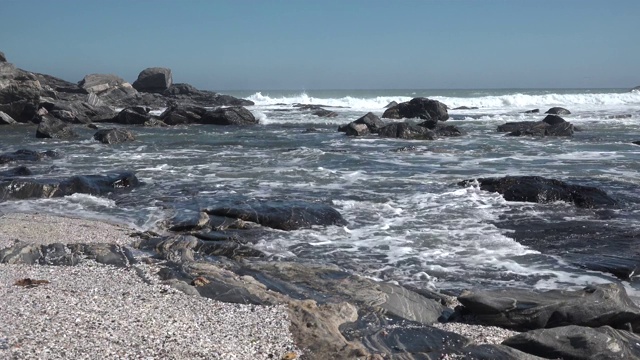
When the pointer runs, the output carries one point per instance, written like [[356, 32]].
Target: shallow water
[[409, 221]]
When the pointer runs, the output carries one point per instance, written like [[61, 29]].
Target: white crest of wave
[[378, 102]]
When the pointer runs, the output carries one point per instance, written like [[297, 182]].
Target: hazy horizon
[[332, 45]]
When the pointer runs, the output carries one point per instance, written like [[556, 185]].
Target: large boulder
[[558, 111], [578, 343], [5, 119], [27, 155], [109, 88], [286, 215], [405, 130], [542, 190], [182, 114], [369, 123], [422, 108], [135, 115], [53, 128], [26, 188], [154, 80], [77, 111], [113, 136], [593, 306], [235, 115], [19, 93]]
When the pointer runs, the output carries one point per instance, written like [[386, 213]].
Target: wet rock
[[27, 155], [26, 188], [420, 341], [447, 131], [182, 248], [534, 111], [558, 111], [181, 114], [2, 57], [391, 104], [109, 88], [465, 108], [154, 80], [5, 119], [135, 115], [495, 352], [325, 113], [422, 108], [236, 115], [538, 128], [371, 122], [593, 306], [517, 126], [553, 120], [66, 254], [286, 215], [406, 131], [353, 129], [576, 342], [542, 190], [77, 111], [53, 128], [17, 171], [113, 136]]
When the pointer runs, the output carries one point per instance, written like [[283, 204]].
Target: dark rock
[[2, 57], [391, 104], [636, 142], [465, 108], [558, 111], [517, 126], [66, 255], [155, 123], [180, 89], [17, 171], [181, 114], [594, 306], [422, 108], [406, 131], [447, 131], [578, 343], [21, 188], [53, 128], [113, 136], [542, 190], [495, 352], [154, 80], [77, 111], [353, 129], [553, 120], [5, 119], [236, 115], [289, 215], [561, 129], [27, 155], [372, 122], [534, 111], [135, 115], [415, 341], [325, 113], [186, 248]]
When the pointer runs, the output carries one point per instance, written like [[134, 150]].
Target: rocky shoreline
[[195, 287]]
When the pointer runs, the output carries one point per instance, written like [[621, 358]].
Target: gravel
[[94, 311]]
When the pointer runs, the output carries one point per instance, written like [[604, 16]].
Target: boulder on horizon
[[154, 80]]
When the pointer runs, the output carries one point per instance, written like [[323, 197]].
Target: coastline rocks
[[371, 122], [17, 171], [2, 57], [551, 125], [576, 342], [109, 88], [534, 111], [406, 131], [53, 128], [135, 115], [19, 93], [593, 306], [59, 254], [5, 119], [21, 188], [153, 80], [422, 108], [542, 190], [27, 155], [391, 104], [286, 215], [325, 113], [113, 136], [181, 114], [77, 111], [558, 111], [465, 108]]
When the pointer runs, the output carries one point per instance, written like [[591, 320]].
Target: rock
[[560, 127], [286, 215], [391, 104], [60, 88], [180, 89], [154, 80], [53, 128], [325, 113], [447, 131], [188, 95], [558, 111], [2, 57], [371, 122], [517, 126], [534, 111], [27, 155], [637, 88], [155, 123], [353, 129], [17, 171], [66, 255], [593, 306], [135, 115], [181, 114], [5, 119], [406, 131], [186, 247], [576, 342], [415, 341], [553, 120], [26, 188], [465, 108], [76, 111], [495, 352], [542, 190], [109, 88], [19, 93], [113, 136], [236, 115], [422, 108]]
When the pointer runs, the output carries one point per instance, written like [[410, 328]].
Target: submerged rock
[[53, 128], [534, 111], [113, 136], [27, 155], [593, 306], [558, 111], [542, 190], [406, 131], [180, 114], [17, 171]]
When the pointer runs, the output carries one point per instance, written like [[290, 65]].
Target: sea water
[[408, 220]]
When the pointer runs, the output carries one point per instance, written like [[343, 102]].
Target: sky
[[332, 44]]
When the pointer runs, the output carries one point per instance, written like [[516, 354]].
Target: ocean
[[409, 221]]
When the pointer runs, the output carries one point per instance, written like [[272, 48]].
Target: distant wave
[[514, 101]]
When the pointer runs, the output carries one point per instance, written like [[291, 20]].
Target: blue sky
[[332, 44]]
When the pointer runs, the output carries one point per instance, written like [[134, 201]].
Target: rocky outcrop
[[182, 114], [53, 128], [391, 104], [369, 123], [78, 111], [285, 215], [154, 80], [558, 111], [5, 119], [325, 113], [27, 155], [2, 57], [406, 131], [236, 115], [17, 171], [135, 115], [113, 136], [26, 188], [109, 88], [19, 93], [465, 108], [578, 343], [422, 108], [593, 306], [552, 125], [66, 254], [542, 190]]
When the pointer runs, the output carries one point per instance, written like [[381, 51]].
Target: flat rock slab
[[578, 343], [594, 306], [66, 254]]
